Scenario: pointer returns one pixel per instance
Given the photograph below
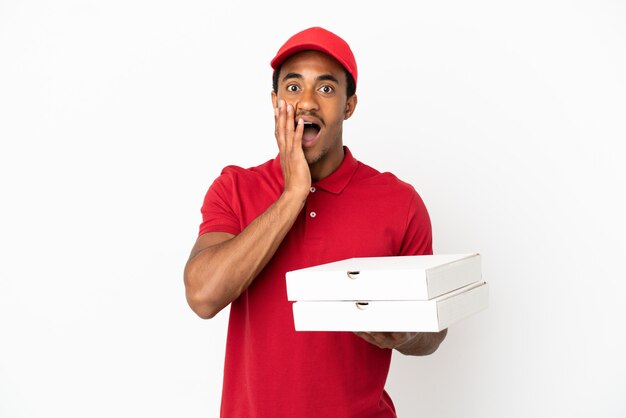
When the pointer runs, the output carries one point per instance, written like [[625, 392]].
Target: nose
[[307, 101]]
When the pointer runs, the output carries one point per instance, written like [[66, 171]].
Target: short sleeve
[[418, 238], [218, 212]]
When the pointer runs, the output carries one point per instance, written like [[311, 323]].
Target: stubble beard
[[317, 157], [313, 159]]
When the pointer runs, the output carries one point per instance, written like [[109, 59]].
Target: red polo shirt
[[270, 369]]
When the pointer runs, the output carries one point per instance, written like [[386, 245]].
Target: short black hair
[[350, 88]]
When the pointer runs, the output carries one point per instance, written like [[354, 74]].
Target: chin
[[313, 157]]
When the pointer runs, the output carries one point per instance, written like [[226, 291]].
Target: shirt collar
[[337, 181]]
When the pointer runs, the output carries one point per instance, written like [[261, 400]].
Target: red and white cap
[[318, 39]]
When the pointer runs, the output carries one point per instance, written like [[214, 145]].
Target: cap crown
[[318, 39]]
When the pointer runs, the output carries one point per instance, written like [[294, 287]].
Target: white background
[[115, 116]]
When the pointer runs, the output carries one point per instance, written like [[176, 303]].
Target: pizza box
[[398, 315], [419, 277]]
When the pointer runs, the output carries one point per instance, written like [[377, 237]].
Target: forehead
[[313, 63]]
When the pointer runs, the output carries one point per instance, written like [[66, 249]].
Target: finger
[[367, 337], [280, 123], [297, 137], [381, 339], [289, 128], [279, 140], [385, 339]]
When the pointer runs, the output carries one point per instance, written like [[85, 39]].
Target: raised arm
[[221, 266]]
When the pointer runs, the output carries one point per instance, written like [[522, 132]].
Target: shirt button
[[313, 189], [312, 214]]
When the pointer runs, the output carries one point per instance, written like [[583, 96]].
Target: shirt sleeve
[[418, 238], [219, 214]]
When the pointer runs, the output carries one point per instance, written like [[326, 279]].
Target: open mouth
[[311, 130]]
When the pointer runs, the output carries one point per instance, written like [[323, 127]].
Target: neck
[[326, 165]]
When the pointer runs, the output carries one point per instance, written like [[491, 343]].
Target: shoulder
[[265, 173], [388, 190], [248, 187], [238, 171], [368, 176]]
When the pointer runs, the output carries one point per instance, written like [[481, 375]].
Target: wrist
[[295, 196], [294, 199]]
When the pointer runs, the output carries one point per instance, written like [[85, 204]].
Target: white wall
[[115, 117]]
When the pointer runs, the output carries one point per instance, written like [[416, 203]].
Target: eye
[[327, 89], [292, 88]]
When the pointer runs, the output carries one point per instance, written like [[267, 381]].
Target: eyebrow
[[323, 77]]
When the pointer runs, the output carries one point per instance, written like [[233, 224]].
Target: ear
[[274, 98], [350, 106]]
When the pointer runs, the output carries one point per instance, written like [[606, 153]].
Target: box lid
[[419, 277]]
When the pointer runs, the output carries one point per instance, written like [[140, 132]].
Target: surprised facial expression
[[315, 85]]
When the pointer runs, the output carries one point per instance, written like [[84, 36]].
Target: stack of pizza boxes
[[423, 293]]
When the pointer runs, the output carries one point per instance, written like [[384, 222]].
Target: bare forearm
[[423, 344], [217, 275]]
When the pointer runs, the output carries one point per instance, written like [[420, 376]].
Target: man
[[314, 203]]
